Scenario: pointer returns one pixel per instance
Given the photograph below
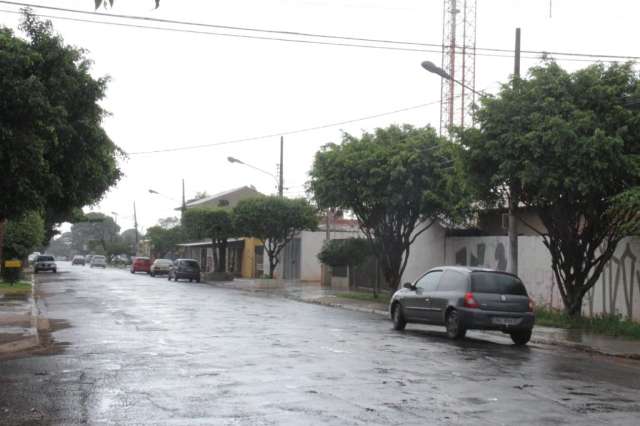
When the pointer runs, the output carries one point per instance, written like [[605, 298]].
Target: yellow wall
[[248, 257]]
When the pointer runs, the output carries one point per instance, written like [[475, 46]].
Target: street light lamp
[[434, 69], [235, 160]]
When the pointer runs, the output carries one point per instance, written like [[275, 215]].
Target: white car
[[98, 261], [160, 266]]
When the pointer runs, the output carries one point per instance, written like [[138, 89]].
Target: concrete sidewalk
[[21, 316], [314, 293]]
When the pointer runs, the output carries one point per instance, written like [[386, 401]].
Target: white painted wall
[[426, 252], [617, 290]]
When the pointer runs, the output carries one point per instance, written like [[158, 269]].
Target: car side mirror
[[408, 286]]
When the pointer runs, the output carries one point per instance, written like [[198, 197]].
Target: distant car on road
[[187, 269], [160, 267], [45, 263], [462, 299], [141, 264], [98, 262], [77, 260]]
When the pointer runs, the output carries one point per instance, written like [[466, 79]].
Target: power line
[[294, 33], [287, 133]]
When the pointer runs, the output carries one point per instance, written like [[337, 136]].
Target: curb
[[39, 322]]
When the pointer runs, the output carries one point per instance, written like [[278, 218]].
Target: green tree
[[344, 252], [81, 159], [397, 181], [164, 240], [96, 232], [569, 145], [23, 235], [54, 154], [216, 224], [274, 221], [129, 239]]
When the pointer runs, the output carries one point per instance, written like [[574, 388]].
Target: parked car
[[462, 299], [141, 264], [160, 267], [45, 263], [98, 262], [187, 269], [77, 260]]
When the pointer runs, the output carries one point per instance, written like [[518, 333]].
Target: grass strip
[[606, 324]]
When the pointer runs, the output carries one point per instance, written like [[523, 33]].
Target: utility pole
[[281, 177], [135, 225], [513, 201], [184, 203]]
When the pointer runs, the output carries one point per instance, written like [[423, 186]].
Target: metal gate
[[291, 260]]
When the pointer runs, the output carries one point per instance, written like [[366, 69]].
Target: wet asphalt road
[[140, 350]]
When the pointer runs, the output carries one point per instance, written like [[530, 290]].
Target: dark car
[[141, 264], [187, 269], [462, 299], [45, 263], [77, 260]]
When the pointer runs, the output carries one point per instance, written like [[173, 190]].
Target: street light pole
[[512, 230], [281, 180]]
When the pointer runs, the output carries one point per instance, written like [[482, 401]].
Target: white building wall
[[426, 252], [616, 292]]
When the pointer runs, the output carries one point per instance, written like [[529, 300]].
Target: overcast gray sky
[[172, 90]]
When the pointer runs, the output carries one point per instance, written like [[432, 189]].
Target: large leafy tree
[[54, 155], [397, 181], [216, 224], [570, 143], [164, 240], [275, 221], [23, 235], [81, 159], [96, 231]]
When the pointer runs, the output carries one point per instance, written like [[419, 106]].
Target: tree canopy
[[569, 143], [214, 223], [275, 221], [397, 181], [97, 231], [54, 155], [23, 235], [164, 240]]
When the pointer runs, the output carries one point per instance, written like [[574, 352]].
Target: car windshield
[[45, 258], [496, 283]]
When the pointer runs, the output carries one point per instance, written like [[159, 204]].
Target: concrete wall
[[616, 292], [426, 252]]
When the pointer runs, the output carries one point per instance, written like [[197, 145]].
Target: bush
[[350, 251]]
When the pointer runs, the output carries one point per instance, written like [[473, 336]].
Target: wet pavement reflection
[[131, 349]]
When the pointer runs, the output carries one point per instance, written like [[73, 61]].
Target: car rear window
[[45, 258], [191, 263], [98, 258], [496, 283]]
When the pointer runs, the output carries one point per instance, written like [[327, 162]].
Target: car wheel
[[399, 322], [132, 271], [198, 279], [169, 277], [521, 338], [454, 328], [190, 280], [152, 274], [55, 271]]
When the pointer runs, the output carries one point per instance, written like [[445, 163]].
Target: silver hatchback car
[[462, 298]]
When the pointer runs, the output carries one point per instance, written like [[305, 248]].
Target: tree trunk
[[3, 221], [573, 305], [222, 246], [272, 266]]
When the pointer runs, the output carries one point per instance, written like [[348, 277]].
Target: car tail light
[[532, 305], [469, 301]]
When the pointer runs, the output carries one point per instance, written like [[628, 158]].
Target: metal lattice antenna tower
[[459, 61]]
